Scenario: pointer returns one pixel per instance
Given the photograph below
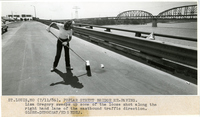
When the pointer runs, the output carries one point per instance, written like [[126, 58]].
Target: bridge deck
[[28, 52]]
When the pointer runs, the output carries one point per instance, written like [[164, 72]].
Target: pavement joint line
[[22, 68], [25, 79]]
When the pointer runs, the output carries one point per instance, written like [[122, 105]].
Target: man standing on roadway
[[65, 35]]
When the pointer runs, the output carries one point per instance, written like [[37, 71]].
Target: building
[[22, 17], [26, 17]]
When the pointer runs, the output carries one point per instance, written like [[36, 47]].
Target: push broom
[[87, 62]]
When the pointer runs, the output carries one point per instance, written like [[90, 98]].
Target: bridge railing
[[138, 33], [173, 57]]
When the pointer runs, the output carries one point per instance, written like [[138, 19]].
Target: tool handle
[[67, 46]]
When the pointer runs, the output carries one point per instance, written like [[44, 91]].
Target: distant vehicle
[[8, 19], [4, 27]]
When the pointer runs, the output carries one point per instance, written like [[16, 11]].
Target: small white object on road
[[188, 83], [102, 66]]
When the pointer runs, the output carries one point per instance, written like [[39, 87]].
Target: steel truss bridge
[[183, 12], [142, 17]]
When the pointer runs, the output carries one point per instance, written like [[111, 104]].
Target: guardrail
[[183, 55], [175, 58], [138, 33]]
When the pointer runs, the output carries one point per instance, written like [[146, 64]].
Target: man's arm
[[52, 23], [70, 36]]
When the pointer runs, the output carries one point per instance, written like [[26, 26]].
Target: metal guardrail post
[[107, 30]]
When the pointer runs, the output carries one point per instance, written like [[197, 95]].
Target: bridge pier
[[154, 22]]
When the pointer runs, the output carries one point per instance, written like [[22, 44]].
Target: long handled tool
[[87, 62]]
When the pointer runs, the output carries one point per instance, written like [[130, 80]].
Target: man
[[65, 35]]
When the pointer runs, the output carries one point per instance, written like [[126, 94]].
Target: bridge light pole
[[34, 10]]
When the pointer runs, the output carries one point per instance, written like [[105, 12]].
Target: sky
[[59, 9]]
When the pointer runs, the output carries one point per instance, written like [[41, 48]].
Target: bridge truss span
[[134, 14], [183, 12]]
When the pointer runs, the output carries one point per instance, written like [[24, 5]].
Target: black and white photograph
[[99, 48]]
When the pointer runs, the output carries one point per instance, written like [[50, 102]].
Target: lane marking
[[22, 69]]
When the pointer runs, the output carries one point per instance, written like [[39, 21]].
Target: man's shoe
[[69, 68], [53, 69]]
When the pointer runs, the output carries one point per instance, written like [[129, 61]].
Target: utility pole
[[34, 10], [12, 14], [76, 11]]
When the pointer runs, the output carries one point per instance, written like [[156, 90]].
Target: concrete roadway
[[28, 52]]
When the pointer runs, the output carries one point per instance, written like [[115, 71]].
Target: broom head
[[87, 67]]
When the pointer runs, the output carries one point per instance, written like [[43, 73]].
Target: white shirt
[[63, 34]]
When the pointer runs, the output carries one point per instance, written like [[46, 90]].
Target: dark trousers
[[58, 54]]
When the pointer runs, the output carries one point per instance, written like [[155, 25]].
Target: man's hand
[[64, 43]]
